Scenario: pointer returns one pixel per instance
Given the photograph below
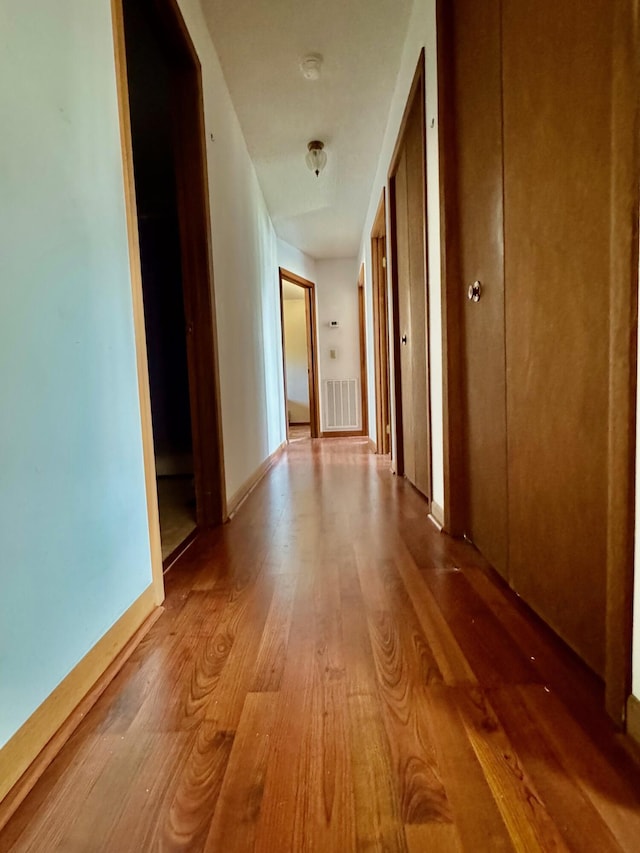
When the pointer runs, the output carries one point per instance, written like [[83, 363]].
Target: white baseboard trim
[[436, 515], [241, 494], [633, 719]]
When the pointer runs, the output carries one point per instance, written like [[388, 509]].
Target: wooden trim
[[373, 447], [633, 719], [397, 458], [380, 327], [295, 279], [241, 494], [142, 368], [453, 408], [351, 433], [364, 395], [623, 321], [27, 755], [312, 348]]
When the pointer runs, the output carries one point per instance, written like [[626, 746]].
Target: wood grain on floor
[[333, 674]]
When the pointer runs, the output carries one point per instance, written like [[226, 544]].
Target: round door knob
[[475, 292]]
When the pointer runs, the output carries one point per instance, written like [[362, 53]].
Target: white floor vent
[[342, 399]]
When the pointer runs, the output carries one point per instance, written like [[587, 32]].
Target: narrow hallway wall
[[245, 270], [421, 34], [72, 502]]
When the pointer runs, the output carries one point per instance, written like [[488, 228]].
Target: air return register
[[342, 403]]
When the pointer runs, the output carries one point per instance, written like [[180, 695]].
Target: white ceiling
[[260, 44]]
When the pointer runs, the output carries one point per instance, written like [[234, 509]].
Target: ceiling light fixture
[[316, 157], [310, 66]]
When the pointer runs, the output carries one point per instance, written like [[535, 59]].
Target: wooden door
[[557, 137], [408, 225], [532, 207], [401, 261], [477, 138]]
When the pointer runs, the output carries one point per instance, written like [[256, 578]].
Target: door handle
[[475, 292]]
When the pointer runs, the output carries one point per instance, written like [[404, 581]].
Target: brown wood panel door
[[408, 233], [477, 135], [557, 130], [402, 263], [415, 152]]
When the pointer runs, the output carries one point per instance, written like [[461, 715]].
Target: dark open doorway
[[167, 146]]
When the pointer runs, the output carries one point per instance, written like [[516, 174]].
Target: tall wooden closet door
[[401, 261], [478, 153], [409, 236], [557, 77], [416, 189]]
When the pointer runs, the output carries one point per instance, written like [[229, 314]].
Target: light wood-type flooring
[[333, 674]]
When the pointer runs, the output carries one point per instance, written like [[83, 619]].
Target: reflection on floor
[[297, 432], [177, 506], [331, 674]]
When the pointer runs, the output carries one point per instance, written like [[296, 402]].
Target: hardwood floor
[[332, 674]]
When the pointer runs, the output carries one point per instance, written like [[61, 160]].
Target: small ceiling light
[[316, 157], [310, 66]]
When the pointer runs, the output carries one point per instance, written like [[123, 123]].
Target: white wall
[[73, 519], [296, 359], [337, 297], [72, 467], [245, 261], [421, 33], [295, 261]]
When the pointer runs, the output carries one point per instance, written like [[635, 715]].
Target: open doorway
[[362, 323], [167, 147], [297, 307]]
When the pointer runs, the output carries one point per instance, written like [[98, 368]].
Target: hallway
[[332, 674]]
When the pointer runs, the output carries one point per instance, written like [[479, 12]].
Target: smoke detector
[[310, 66]]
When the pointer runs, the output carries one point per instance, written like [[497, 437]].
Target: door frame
[[197, 267], [418, 90], [380, 327], [623, 293], [362, 334], [312, 348]]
